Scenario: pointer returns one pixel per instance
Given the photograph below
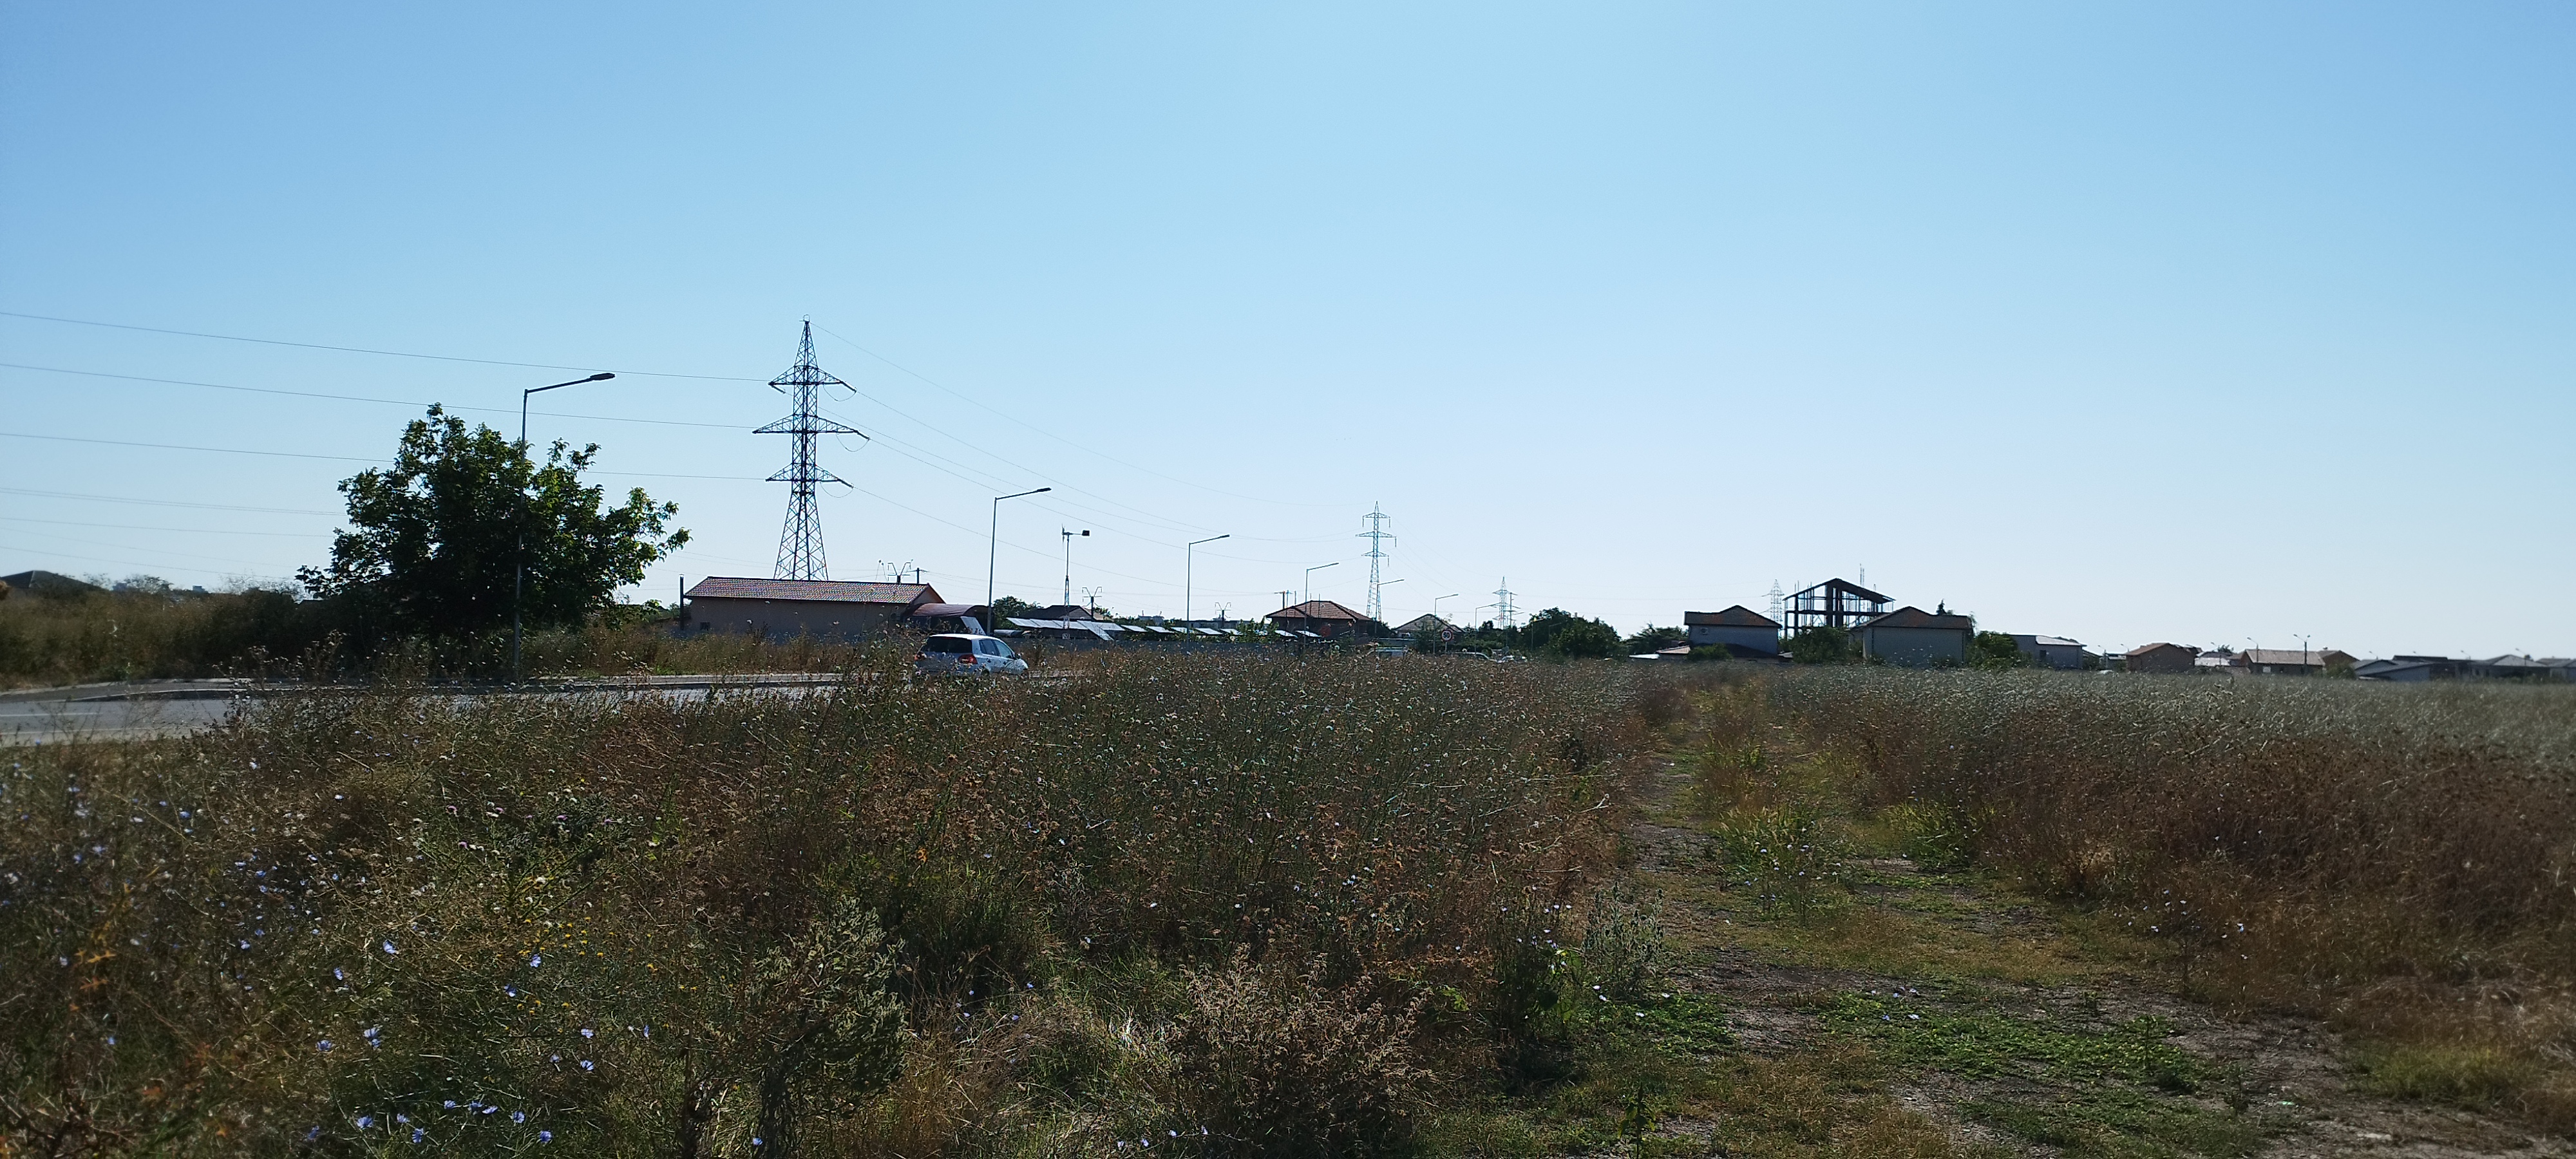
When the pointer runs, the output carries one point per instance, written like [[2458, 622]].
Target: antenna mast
[[800, 543], [1376, 535]]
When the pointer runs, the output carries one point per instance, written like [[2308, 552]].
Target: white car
[[960, 654]]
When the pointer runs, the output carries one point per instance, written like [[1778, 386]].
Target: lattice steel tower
[[800, 543], [1376, 535], [1503, 606]]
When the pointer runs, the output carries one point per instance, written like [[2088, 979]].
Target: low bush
[[876, 917], [2395, 857]]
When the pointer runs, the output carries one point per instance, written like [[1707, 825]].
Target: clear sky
[[2213, 323]]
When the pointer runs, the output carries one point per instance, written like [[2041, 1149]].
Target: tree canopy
[[1563, 634], [433, 541]]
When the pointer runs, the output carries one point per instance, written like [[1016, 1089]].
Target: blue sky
[[2209, 323]]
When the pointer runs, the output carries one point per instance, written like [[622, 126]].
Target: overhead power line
[[179, 447], [161, 502], [361, 349], [362, 398], [1017, 421], [142, 527]]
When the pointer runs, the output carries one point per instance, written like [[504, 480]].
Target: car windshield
[[947, 644]]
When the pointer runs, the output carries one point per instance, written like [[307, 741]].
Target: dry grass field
[[1262, 906]]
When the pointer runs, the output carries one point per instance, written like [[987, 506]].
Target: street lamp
[[1189, 574], [993, 548], [1309, 594], [1068, 534], [1440, 627], [519, 566]]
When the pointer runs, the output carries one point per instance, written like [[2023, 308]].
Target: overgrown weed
[[880, 916]]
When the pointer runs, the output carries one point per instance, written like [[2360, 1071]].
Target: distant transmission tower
[[800, 543], [1776, 598], [1376, 535], [1503, 604]]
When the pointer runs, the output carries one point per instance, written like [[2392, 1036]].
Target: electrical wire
[[141, 527], [179, 447], [1015, 420], [362, 350], [362, 398], [160, 502]]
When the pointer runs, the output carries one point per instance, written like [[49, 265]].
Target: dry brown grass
[[2402, 859], [636, 923]]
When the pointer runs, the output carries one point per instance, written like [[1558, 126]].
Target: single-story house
[[2054, 652], [1425, 625], [2170, 659], [1913, 638], [1739, 630], [2294, 661], [50, 584], [825, 609], [1324, 618], [2407, 669]]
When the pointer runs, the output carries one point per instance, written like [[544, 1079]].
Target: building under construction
[[1835, 603]]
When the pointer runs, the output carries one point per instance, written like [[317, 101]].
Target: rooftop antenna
[[1503, 605], [1375, 534], [800, 543]]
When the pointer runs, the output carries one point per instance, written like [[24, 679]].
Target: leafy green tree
[[1994, 650], [1561, 634], [434, 541], [1822, 646], [1655, 639]]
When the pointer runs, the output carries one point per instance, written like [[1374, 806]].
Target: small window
[[1001, 649], [945, 645], [989, 647]]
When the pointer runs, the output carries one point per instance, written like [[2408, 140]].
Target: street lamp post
[[1189, 575], [993, 549], [1068, 534], [1440, 627], [519, 564], [1309, 594]]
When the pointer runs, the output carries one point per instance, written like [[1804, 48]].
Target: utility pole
[[800, 543], [1376, 535], [1068, 561]]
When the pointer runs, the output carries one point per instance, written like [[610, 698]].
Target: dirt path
[[2016, 1029]]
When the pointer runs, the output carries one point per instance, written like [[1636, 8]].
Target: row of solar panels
[[1102, 628]]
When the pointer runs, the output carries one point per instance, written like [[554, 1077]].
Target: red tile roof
[[1914, 617], [1317, 610], [721, 587], [1738, 616]]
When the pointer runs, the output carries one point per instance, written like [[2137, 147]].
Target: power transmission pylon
[[1376, 535], [1776, 599], [800, 543], [1503, 604]]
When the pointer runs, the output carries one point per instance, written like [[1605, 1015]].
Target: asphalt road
[[158, 708]]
